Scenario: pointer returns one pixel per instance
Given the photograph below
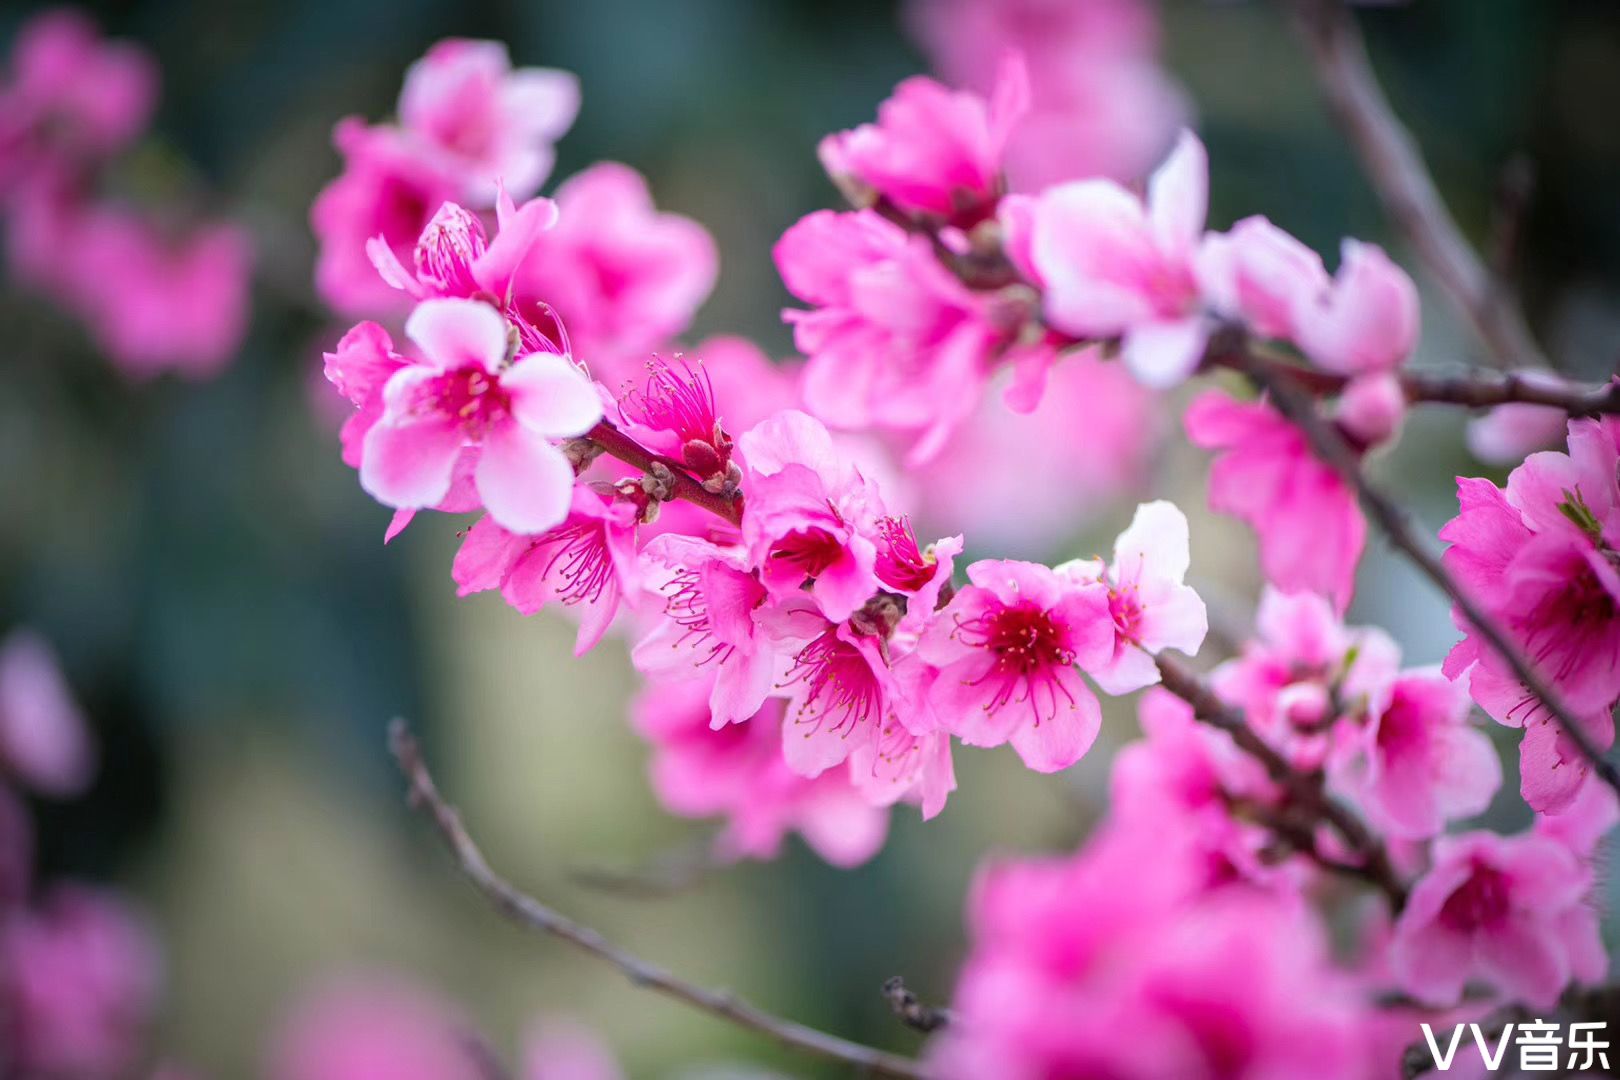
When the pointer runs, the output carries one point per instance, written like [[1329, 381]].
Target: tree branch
[[619, 445], [912, 1010], [528, 912], [1394, 165], [1333, 450]]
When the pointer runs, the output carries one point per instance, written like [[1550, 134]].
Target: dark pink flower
[[1006, 647], [1310, 529]]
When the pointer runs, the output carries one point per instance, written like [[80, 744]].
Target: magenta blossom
[[365, 1028], [44, 740], [464, 394], [738, 772], [921, 575], [588, 563], [712, 604], [1540, 559], [71, 97], [79, 981], [841, 697], [1310, 529], [624, 276], [1152, 606], [1113, 265], [934, 151], [1006, 647], [1512, 912], [390, 187], [1259, 275], [1366, 321], [811, 516], [491, 124], [894, 339], [1418, 763]]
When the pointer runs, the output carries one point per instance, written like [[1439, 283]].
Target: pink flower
[[1114, 265], [921, 575], [1505, 434], [390, 187], [624, 277], [156, 302], [1305, 674], [1512, 912], [841, 696], [44, 740], [810, 517], [1152, 606], [1418, 763], [493, 125], [1259, 275], [1371, 408], [1310, 529], [1101, 103], [934, 151], [72, 97], [674, 412], [359, 369], [712, 603], [738, 771], [587, 563], [1367, 321], [903, 764], [1006, 647], [894, 340], [373, 1028], [563, 1050], [1539, 558], [1582, 825], [462, 393], [78, 983]]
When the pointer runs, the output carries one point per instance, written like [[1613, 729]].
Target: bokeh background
[[217, 585]]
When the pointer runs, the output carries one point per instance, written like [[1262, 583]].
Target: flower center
[[579, 556], [1480, 901], [1024, 640], [473, 397], [809, 550], [900, 562], [839, 682]]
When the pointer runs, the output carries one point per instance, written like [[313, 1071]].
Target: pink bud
[[1372, 407]]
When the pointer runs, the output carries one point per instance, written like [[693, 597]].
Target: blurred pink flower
[[558, 1049], [493, 125], [933, 150], [373, 1029], [45, 742], [1506, 434], [1101, 105], [79, 981], [738, 772], [624, 277], [462, 395], [1310, 528], [1260, 275], [1366, 321], [1512, 912], [72, 98]]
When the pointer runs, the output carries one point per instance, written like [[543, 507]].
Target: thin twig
[[528, 912], [1395, 167], [617, 444], [912, 1010], [1396, 524], [1305, 791]]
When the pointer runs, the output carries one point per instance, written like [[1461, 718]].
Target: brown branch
[[530, 913], [1394, 165], [1305, 791], [912, 1010], [617, 444], [1333, 450]]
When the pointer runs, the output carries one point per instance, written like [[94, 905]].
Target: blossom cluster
[[156, 292]]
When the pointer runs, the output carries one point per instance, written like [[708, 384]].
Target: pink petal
[[1057, 741], [410, 465], [552, 397], [457, 333], [525, 483]]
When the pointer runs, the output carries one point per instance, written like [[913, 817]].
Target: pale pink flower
[[1259, 275], [1511, 912], [1305, 673], [1006, 647], [588, 564], [156, 302], [933, 150], [894, 339], [1507, 433], [45, 742], [1371, 408], [558, 1049], [1114, 265], [901, 764], [811, 517], [1101, 104], [623, 276], [461, 394], [1582, 825], [359, 368], [1152, 605], [1310, 528], [492, 124], [390, 187], [373, 1028], [71, 97], [1365, 321], [1417, 763], [79, 979], [738, 772], [712, 603]]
